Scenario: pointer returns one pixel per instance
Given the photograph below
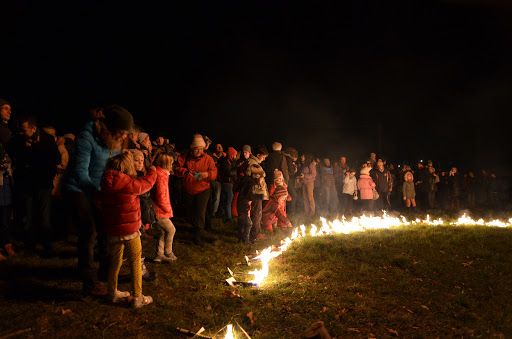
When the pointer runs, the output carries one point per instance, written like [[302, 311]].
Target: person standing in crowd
[[147, 210], [373, 160], [120, 190], [146, 147], [276, 160], [454, 182], [443, 190], [384, 185], [433, 180], [330, 197], [275, 209], [133, 138], [35, 157], [162, 202], [366, 185], [421, 176], [408, 191], [340, 172], [216, 185], [197, 169], [307, 181], [227, 176], [250, 188], [483, 187], [349, 192], [257, 204], [292, 156], [100, 139], [6, 183]]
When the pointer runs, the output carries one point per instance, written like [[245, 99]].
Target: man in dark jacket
[[384, 185], [35, 156], [276, 160], [422, 180]]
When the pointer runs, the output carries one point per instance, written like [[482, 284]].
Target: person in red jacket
[[275, 209], [197, 170], [120, 192], [161, 200]]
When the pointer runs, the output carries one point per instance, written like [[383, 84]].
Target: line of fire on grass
[[344, 226]]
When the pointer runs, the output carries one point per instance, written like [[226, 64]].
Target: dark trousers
[[33, 216], [291, 206], [87, 220], [256, 207], [431, 199], [347, 203], [383, 202], [226, 198], [196, 211]]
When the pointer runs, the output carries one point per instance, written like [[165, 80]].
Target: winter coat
[[187, 163], [408, 190], [309, 172], [227, 170], [86, 163], [247, 192], [382, 180], [327, 176], [34, 166], [121, 203], [349, 185], [147, 208], [365, 185], [160, 194], [276, 160]]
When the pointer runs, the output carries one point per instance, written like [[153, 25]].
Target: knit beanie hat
[[278, 175], [276, 146], [246, 148], [365, 170], [118, 118], [198, 141], [231, 152], [4, 102], [141, 137]]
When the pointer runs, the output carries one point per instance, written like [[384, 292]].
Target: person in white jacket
[[349, 193]]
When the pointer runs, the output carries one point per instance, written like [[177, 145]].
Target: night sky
[[409, 80]]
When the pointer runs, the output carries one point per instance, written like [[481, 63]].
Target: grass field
[[417, 281]]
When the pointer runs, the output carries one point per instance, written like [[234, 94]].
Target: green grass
[[418, 281]]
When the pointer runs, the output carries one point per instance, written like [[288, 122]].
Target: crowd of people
[[113, 182]]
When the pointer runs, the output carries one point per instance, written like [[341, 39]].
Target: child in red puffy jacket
[[120, 192], [275, 209], [161, 200]]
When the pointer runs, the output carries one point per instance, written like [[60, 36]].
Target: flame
[[229, 332], [356, 224]]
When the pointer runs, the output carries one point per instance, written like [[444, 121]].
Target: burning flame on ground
[[345, 226]]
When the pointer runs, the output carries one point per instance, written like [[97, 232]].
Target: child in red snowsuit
[[275, 209]]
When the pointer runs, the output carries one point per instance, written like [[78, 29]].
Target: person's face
[[246, 154], [5, 112], [343, 161], [352, 174], [146, 142], [138, 160], [26, 130], [119, 135], [454, 170], [380, 166], [134, 136], [218, 148], [327, 162], [262, 157], [160, 141], [373, 155], [197, 151], [303, 158]]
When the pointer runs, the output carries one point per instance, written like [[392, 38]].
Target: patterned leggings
[[134, 252]]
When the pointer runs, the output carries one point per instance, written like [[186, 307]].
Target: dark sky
[[409, 80]]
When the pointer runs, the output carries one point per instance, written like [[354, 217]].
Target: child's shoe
[[170, 257], [141, 301], [118, 296]]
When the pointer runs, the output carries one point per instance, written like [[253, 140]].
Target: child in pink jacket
[[275, 209], [365, 185]]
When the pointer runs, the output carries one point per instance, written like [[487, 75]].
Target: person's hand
[[203, 175], [152, 168], [405, 199]]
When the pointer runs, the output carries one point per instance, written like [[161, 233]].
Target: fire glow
[[345, 226]]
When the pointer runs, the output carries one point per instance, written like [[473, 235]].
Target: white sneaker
[[142, 300], [118, 296]]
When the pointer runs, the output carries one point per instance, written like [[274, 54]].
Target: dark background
[[408, 80]]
